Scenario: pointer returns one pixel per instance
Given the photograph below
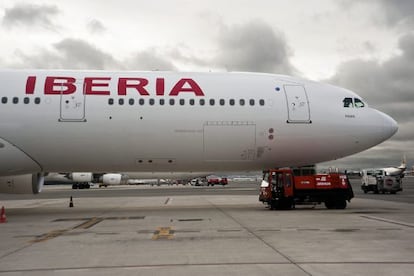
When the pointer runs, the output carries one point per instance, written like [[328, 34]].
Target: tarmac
[[215, 233]]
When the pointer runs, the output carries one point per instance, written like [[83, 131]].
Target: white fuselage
[[99, 121]]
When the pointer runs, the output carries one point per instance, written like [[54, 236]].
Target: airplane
[[387, 179], [392, 171], [102, 121], [397, 171], [56, 178], [83, 179]]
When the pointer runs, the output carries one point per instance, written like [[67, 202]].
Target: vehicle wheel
[[393, 192], [330, 204], [365, 191], [74, 186], [340, 204], [87, 186], [274, 205], [287, 204]]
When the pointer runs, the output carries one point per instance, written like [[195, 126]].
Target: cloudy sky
[[366, 45]]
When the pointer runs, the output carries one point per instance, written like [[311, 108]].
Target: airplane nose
[[389, 126]]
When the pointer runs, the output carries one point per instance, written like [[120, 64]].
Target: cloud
[[184, 55], [252, 47], [255, 47], [73, 53], [30, 15], [388, 85], [400, 12], [67, 54], [79, 54], [95, 26], [393, 13], [149, 59]]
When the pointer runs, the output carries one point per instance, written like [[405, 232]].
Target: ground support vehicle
[[377, 181], [198, 182], [281, 189], [81, 185], [211, 181]]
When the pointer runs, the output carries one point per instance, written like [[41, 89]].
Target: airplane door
[[298, 104], [72, 106]]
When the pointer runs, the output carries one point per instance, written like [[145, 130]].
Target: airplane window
[[358, 103], [15, 100], [348, 102], [251, 102], [172, 102], [131, 101], [141, 101], [26, 100], [222, 102], [241, 102], [211, 101], [37, 100], [120, 101], [202, 101], [110, 101], [151, 101], [162, 101], [261, 102], [182, 101], [232, 101], [4, 100], [192, 101]]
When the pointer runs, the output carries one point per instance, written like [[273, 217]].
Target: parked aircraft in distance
[[393, 171], [100, 121], [83, 179]]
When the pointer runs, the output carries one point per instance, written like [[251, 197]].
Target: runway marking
[[389, 221], [103, 218], [347, 230], [123, 218], [89, 223], [81, 269], [195, 219], [163, 233], [50, 235]]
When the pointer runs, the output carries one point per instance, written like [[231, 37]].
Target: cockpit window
[[359, 103], [353, 102], [348, 102]]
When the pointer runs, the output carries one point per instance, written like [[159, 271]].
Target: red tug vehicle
[[285, 188]]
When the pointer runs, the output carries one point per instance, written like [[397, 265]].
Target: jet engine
[[112, 179], [22, 184], [81, 177]]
